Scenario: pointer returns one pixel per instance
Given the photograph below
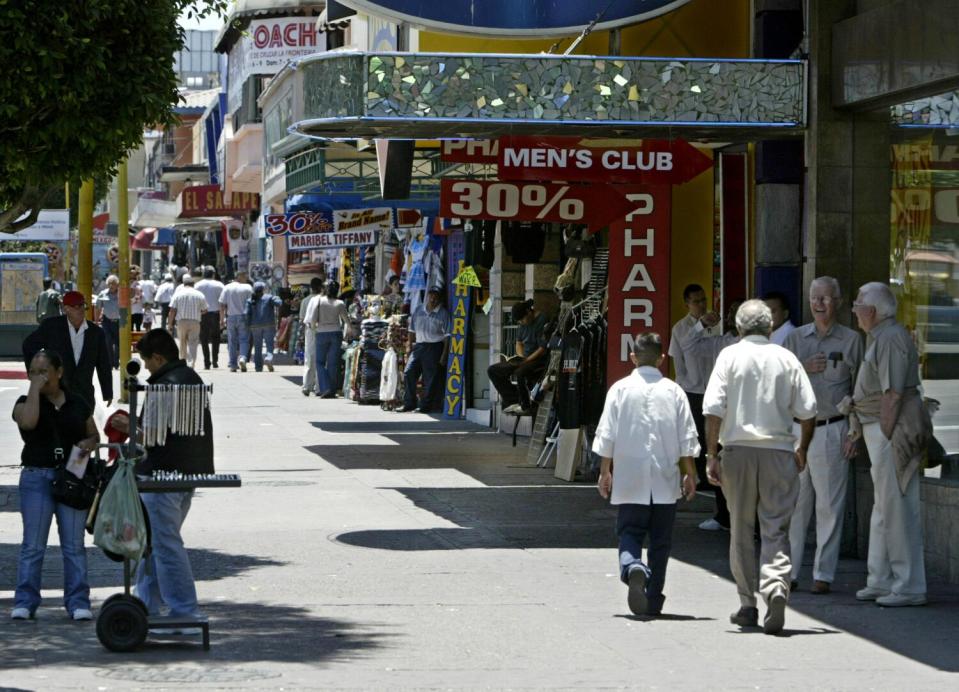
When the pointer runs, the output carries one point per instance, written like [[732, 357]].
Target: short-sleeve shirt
[[430, 326], [532, 335], [758, 388], [836, 381], [891, 361], [645, 428], [55, 429], [109, 303], [211, 290], [234, 298]]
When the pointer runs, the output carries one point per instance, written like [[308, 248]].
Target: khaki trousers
[[895, 561], [763, 482], [189, 332]]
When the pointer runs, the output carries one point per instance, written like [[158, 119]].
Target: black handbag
[[76, 492]]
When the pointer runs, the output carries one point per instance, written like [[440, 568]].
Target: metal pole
[[123, 244], [85, 245]]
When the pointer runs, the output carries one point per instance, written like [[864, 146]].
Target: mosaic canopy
[[464, 95]]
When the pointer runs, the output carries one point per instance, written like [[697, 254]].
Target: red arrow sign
[[659, 162], [593, 205]]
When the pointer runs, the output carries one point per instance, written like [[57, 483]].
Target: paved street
[[371, 550]]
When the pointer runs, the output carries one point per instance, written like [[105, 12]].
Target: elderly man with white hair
[[754, 393], [896, 428], [831, 354]]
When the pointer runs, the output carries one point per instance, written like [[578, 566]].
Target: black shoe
[[329, 395], [775, 614], [306, 392], [636, 599], [206, 367], [215, 366], [794, 585], [745, 617]]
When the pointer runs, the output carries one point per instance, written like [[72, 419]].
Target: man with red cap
[[81, 345]]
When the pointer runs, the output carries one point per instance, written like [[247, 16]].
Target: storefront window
[[924, 262]]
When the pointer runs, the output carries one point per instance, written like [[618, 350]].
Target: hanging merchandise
[[346, 271], [570, 391], [370, 361], [524, 241], [174, 408]]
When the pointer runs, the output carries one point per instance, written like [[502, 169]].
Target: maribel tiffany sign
[[514, 17]]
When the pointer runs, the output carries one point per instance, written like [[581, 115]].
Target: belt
[[828, 421]]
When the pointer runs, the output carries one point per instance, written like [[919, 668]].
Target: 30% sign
[[592, 205]]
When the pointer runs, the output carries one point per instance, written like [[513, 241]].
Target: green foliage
[[78, 84]]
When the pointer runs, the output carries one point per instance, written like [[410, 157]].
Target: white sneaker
[[870, 593], [899, 600], [20, 614], [513, 408], [82, 614], [242, 364], [712, 525]]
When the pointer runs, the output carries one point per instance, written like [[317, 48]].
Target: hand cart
[[123, 621]]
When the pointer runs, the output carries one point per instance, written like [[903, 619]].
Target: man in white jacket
[[645, 436]]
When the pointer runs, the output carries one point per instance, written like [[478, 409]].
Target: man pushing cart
[[177, 435]]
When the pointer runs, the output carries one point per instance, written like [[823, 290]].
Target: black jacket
[[53, 334], [186, 454]]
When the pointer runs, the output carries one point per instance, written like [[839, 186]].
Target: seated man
[[166, 577], [528, 365]]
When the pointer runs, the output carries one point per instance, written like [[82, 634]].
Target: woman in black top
[[52, 421]]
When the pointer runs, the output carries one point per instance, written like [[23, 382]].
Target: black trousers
[[210, 338], [136, 320], [164, 314], [696, 406], [525, 374]]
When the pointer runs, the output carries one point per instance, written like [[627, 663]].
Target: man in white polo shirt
[[186, 311], [755, 392]]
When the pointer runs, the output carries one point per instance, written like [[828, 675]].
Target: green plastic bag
[[120, 527]]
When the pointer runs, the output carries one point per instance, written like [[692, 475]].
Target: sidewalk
[[373, 550]]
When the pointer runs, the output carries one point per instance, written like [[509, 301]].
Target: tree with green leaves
[[79, 82]]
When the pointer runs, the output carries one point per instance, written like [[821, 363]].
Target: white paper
[[77, 463]]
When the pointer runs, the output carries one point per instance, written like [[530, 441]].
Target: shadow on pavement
[[522, 507], [239, 633], [208, 565]]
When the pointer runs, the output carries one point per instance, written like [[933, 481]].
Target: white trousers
[[189, 332], [895, 562], [823, 486], [309, 360]]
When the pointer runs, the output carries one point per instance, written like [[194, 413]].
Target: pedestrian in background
[[210, 322], [261, 320], [693, 363], [233, 318], [52, 421], [48, 302], [107, 315], [754, 393], [328, 317], [888, 410], [782, 325], [310, 382], [831, 355], [83, 344], [186, 312], [647, 441], [426, 343], [164, 294]]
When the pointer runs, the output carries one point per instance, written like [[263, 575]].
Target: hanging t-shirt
[[524, 241], [569, 390]]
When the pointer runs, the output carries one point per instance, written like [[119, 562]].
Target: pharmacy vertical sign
[[638, 275], [460, 299]]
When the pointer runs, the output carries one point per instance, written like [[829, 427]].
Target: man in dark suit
[[81, 344]]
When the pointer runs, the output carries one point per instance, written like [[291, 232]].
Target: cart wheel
[[124, 597], [122, 625]]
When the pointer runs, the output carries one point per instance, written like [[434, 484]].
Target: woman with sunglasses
[[52, 421]]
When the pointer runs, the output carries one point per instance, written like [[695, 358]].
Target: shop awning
[[154, 213], [430, 95], [153, 239]]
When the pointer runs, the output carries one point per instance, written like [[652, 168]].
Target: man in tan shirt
[[889, 375]]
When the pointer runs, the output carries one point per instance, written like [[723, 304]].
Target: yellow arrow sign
[[467, 277]]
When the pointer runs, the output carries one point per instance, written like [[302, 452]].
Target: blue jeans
[[328, 361], [633, 524], [166, 577], [37, 508], [425, 360], [238, 338], [258, 336]]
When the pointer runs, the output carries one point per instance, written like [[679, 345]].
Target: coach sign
[[512, 18]]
